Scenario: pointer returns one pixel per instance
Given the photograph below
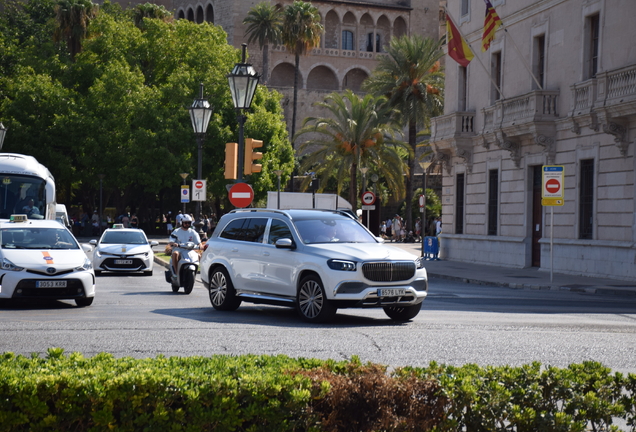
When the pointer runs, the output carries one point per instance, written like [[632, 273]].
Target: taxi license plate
[[123, 262], [391, 292], [50, 284]]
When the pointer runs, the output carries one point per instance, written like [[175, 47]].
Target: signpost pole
[[551, 242]]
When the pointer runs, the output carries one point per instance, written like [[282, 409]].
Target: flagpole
[[475, 54], [523, 59]]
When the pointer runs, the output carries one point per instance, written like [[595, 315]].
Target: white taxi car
[[123, 250], [41, 259]]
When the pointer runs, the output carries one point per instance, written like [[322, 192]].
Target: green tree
[[264, 24], [410, 78], [120, 110], [359, 133], [73, 18], [301, 33]]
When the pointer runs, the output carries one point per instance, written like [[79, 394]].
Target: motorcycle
[[187, 268]]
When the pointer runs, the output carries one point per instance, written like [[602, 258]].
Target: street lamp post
[[243, 81], [278, 174], [3, 132], [184, 176], [101, 208], [424, 223], [200, 113]]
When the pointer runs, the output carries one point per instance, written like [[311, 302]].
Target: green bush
[[278, 393]]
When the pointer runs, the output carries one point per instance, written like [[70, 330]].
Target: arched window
[[347, 40]]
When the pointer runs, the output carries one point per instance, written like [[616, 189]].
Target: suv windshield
[[332, 230], [124, 237]]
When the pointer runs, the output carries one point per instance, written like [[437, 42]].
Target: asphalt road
[[459, 323]]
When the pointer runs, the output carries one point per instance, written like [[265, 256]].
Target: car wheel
[[148, 273], [84, 301], [402, 313], [188, 280], [311, 301], [222, 292]]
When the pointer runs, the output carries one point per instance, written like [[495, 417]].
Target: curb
[[606, 291]]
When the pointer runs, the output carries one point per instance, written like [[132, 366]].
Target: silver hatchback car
[[317, 261]]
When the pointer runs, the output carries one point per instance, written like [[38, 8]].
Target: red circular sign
[[552, 185], [241, 195], [198, 184], [368, 198]]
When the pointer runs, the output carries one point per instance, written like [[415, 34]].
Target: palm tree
[[409, 77], [264, 23], [150, 10], [73, 17], [359, 133], [301, 32]]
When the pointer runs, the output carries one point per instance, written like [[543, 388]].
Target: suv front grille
[[389, 271]]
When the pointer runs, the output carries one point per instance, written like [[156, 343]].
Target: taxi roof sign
[[19, 218]]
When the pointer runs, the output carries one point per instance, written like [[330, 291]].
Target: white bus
[[25, 179]]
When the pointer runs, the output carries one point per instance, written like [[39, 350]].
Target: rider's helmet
[[186, 218]]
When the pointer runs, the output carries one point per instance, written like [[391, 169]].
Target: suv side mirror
[[284, 243]]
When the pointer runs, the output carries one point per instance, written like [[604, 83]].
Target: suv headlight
[[336, 264], [419, 263], [86, 266], [8, 265]]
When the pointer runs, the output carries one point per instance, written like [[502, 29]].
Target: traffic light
[[249, 166], [231, 159]]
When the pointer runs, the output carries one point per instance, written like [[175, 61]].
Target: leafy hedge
[[278, 393]]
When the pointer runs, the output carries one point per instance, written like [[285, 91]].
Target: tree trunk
[[353, 188], [409, 178], [265, 75], [296, 73]]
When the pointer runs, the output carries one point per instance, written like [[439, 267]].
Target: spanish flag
[[491, 24], [458, 48]]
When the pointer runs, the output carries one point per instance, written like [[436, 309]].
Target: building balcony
[[520, 115], [452, 135], [335, 52], [606, 102], [454, 125], [508, 123]]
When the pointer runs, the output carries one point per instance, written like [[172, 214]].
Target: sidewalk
[[480, 274], [520, 278]]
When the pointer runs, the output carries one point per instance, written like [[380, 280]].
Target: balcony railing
[[457, 124], [536, 106], [609, 89]]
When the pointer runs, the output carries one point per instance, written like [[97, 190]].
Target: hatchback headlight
[[8, 265], [336, 264], [86, 266]]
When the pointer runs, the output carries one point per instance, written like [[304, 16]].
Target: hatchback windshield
[[124, 237], [336, 230], [37, 238]]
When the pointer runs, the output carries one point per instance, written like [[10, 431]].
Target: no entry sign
[[241, 195], [552, 191]]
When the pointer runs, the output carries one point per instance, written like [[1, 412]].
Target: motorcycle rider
[[183, 234]]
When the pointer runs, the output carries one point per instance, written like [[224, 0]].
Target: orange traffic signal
[[249, 166], [231, 159]]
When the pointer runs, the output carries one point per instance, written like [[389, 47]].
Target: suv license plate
[[50, 284], [123, 262], [391, 292]]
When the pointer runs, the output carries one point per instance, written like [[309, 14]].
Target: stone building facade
[[579, 113], [354, 36]]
